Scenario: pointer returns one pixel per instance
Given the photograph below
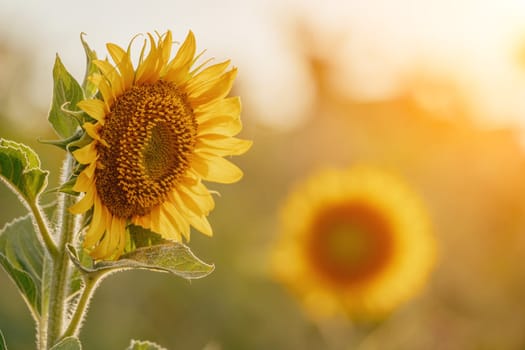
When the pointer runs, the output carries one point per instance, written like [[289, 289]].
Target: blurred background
[[432, 90]]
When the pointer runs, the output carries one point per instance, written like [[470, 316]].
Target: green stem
[[90, 284], [60, 267], [43, 228]]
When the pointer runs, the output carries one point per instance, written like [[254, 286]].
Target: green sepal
[[89, 88], [20, 170], [64, 143], [66, 94], [66, 187], [144, 345], [172, 257], [68, 343], [82, 141], [3, 345]]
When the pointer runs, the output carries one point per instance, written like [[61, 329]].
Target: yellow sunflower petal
[[227, 107], [85, 179], [148, 70], [141, 221], [196, 186], [202, 197], [102, 250], [179, 67], [122, 240], [123, 61], [216, 169], [201, 224], [169, 227], [223, 146], [190, 202], [96, 109], [203, 201], [180, 224], [103, 87], [210, 73], [172, 228], [155, 220], [97, 226], [221, 125], [165, 48], [111, 74], [91, 130], [86, 154], [117, 236], [89, 171], [84, 204], [218, 88]]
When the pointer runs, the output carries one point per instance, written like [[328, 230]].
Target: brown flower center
[[350, 243], [151, 132]]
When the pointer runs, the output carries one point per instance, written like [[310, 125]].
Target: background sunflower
[[354, 241]]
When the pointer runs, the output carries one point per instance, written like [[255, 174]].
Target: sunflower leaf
[[21, 256], [68, 343], [89, 87], [143, 237], [66, 94], [171, 257], [25, 283], [143, 345], [20, 170], [3, 345]]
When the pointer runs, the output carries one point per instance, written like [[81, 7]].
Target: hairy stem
[[51, 253], [60, 266], [43, 228], [90, 284]]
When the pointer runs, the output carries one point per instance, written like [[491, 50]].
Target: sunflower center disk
[[151, 132], [350, 243]]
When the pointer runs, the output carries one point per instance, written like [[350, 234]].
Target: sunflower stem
[[43, 228], [59, 267], [90, 283]]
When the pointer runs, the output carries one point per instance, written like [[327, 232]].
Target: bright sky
[[472, 41]]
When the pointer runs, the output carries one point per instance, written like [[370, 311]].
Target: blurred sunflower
[[158, 130], [357, 241]]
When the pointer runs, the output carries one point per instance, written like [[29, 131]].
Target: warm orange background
[[432, 90]]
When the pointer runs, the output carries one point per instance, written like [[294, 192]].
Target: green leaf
[[20, 170], [22, 257], [142, 237], [3, 345], [171, 257], [25, 283], [144, 345], [68, 343], [66, 94], [89, 87]]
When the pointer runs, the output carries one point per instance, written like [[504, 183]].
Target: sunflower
[[357, 241], [158, 130]]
